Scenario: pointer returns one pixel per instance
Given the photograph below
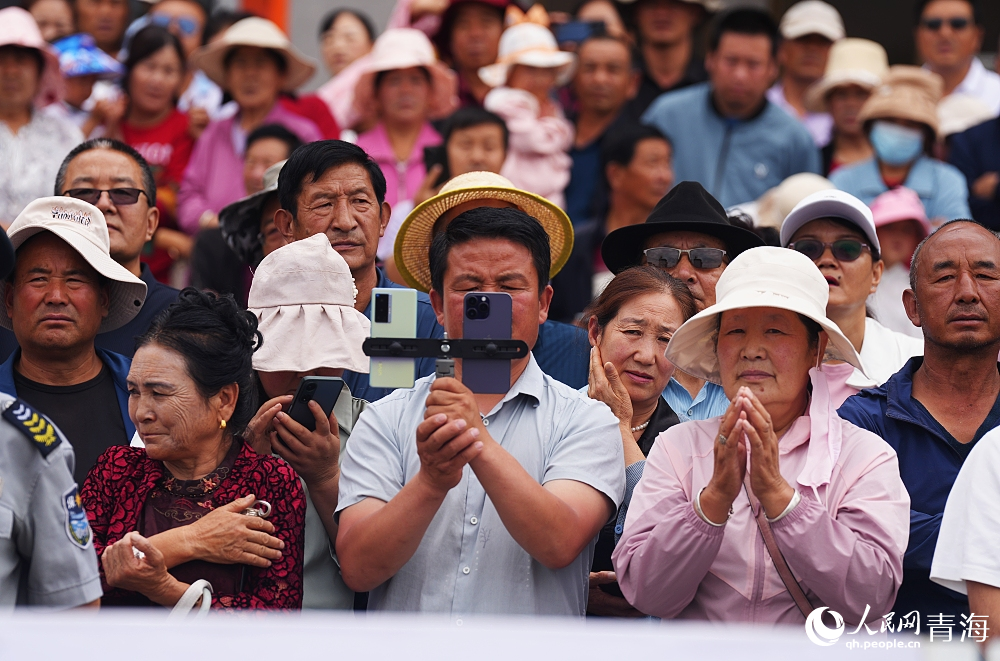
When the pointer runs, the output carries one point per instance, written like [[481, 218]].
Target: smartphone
[[437, 155], [394, 314], [324, 390], [488, 315]]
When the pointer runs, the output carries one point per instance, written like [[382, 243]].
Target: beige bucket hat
[[303, 295], [907, 92], [82, 226], [413, 241], [764, 277], [259, 32], [851, 62]]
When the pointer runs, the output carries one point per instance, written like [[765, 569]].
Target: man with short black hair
[[949, 35], [334, 187], [727, 136], [546, 462]]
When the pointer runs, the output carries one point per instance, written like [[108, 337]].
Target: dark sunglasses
[[119, 196], [844, 250], [935, 24], [701, 258], [186, 26]]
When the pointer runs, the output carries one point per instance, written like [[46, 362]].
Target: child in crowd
[[82, 64], [529, 68]]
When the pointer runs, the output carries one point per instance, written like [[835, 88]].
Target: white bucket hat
[[532, 45], [259, 32], [764, 277], [303, 295], [830, 204], [851, 62], [82, 226], [812, 17]]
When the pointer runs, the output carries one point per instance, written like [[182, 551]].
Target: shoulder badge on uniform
[[34, 425], [77, 526]]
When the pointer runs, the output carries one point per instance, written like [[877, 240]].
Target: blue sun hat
[[80, 56]]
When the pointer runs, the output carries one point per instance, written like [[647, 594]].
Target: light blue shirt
[[711, 401], [467, 562]]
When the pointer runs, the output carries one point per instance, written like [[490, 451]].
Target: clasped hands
[[451, 435], [746, 428]]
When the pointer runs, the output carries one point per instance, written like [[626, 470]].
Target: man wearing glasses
[[689, 236], [948, 36]]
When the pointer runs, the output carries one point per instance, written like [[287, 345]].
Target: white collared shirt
[[982, 84], [883, 353]]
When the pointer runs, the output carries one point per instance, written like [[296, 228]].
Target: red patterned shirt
[[115, 495]]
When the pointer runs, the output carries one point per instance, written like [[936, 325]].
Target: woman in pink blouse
[[779, 460]]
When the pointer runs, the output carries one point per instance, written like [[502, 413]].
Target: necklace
[[640, 427]]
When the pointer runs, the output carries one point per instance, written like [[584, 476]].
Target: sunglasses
[[186, 26], [119, 196], [844, 250], [935, 24], [701, 258]]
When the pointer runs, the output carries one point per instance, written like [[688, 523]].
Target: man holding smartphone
[[513, 534]]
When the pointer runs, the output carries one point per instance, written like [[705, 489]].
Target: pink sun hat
[[18, 28], [897, 205]]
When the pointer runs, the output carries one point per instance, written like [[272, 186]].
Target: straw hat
[[82, 226], [960, 112], [259, 32], [240, 221], [830, 204], [414, 238], [851, 62], [405, 48], [764, 277], [303, 295], [532, 45], [18, 28], [907, 92]]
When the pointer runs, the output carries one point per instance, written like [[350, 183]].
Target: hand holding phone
[[324, 390]]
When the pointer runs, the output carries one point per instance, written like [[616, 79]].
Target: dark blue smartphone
[[325, 390], [487, 316]]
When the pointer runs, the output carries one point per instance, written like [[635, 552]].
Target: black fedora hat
[[688, 207]]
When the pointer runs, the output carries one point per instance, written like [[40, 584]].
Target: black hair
[[491, 223], [470, 116], [220, 21], [147, 42], [311, 161], [217, 339], [769, 235], [148, 182], [276, 131], [619, 145], [380, 76], [744, 20], [921, 5], [278, 59], [332, 17]]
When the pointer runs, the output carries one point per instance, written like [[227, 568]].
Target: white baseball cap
[[830, 204], [82, 226], [812, 17]]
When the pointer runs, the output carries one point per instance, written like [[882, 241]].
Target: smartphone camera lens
[[483, 307], [381, 308]]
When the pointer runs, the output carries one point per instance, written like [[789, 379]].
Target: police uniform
[[47, 553]]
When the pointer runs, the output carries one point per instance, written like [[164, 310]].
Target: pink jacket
[[402, 178], [214, 175], [844, 541], [537, 157]]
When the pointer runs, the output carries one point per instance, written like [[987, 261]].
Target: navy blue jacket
[[929, 461], [118, 364], [976, 152]]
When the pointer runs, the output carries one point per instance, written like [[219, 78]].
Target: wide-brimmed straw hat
[[303, 295], [18, 28], [83, 228], [240, 221], [532, 45], [907, 92], [764, 277], [851, 62], [405, 48], [688, 207], [415, 234], [259, 32]]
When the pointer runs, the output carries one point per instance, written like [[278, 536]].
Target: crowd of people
[[760, 285]]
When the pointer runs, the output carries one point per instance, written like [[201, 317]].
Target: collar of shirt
[[710, 401], [530, 383]]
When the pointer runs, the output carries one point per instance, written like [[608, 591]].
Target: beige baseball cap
[[82, 226], [812, 17]]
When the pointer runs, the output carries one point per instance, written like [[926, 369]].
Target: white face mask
[[895, 144]]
